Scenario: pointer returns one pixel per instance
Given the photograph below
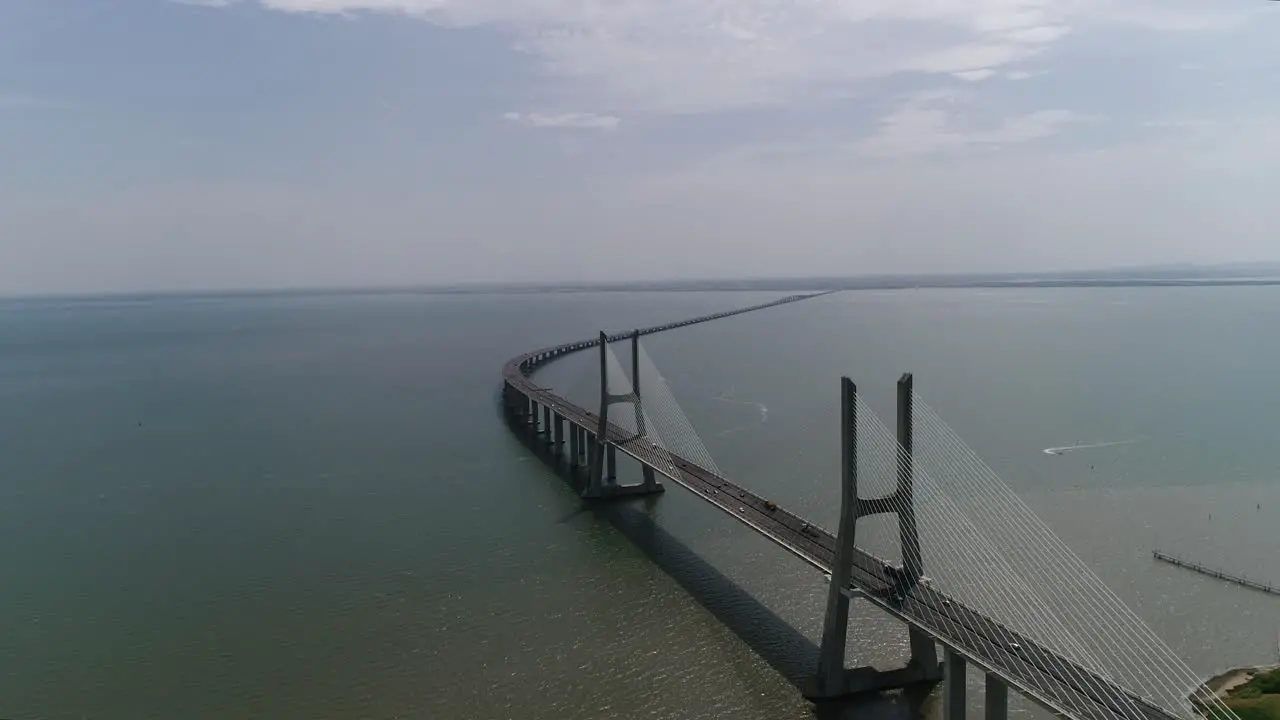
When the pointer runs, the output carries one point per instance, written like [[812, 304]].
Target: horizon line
[[1232, 272]]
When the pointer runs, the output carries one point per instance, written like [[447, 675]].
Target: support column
[[595, 477], [574, 459], [924, 652], [635, 362], [611, 464], [907, 529], [953, 681], [546, 423], [835, 625], [557, 436], [636, 406], [997, 699]]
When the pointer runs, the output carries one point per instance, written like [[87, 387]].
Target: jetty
[[1265, 587]]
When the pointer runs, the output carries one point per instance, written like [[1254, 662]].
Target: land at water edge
[[1250, 693]]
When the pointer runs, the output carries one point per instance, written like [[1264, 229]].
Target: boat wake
[[1085, 446], [728, 397]]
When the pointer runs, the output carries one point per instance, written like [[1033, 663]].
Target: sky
[[206, 144]]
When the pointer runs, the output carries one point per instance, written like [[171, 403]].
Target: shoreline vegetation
[[1252, 693]]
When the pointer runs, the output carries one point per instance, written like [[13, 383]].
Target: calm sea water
[[300, 507]]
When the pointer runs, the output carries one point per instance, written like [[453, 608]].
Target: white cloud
[[703, 55], [925, 125], [975, 75], [206, 3], [586, 121]]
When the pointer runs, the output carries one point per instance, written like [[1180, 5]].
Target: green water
[[298, 507]]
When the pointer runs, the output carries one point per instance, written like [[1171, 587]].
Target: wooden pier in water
[[1265, 587]]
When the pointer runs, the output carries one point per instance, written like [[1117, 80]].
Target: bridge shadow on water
[[785, 649]]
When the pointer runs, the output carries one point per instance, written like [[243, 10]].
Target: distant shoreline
[[1223, 683], [862, 284], [745, 285]]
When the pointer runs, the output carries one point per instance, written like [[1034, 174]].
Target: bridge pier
[[546, 424], [997, 699], [953, 685], [574, 458], [833, 680], [589, 440], [558, 436]]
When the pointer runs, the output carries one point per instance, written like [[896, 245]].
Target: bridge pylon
[[833, 679], [602, 475]]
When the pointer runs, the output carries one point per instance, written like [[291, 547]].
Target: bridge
[[1012, 600]]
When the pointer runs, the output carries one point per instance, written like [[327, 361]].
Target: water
[[296, 507]]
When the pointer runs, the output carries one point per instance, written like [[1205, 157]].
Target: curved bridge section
[[518, 370], [547, 422]]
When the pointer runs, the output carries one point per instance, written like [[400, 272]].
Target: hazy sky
[[214, 143]]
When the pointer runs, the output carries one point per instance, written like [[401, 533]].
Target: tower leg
[[835, 625]]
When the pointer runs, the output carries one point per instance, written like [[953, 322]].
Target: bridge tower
[[602, 475], [833, 680]]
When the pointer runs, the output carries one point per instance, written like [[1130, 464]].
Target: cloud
[[681, 56], [926, 125], [585, 121], [975, 75]]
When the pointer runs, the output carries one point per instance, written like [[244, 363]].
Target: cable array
[[1125, 649], [995, 578]]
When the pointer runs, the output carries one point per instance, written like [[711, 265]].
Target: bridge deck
[[1051, 680]]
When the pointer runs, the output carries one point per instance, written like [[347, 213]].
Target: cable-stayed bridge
[[975, 571]]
